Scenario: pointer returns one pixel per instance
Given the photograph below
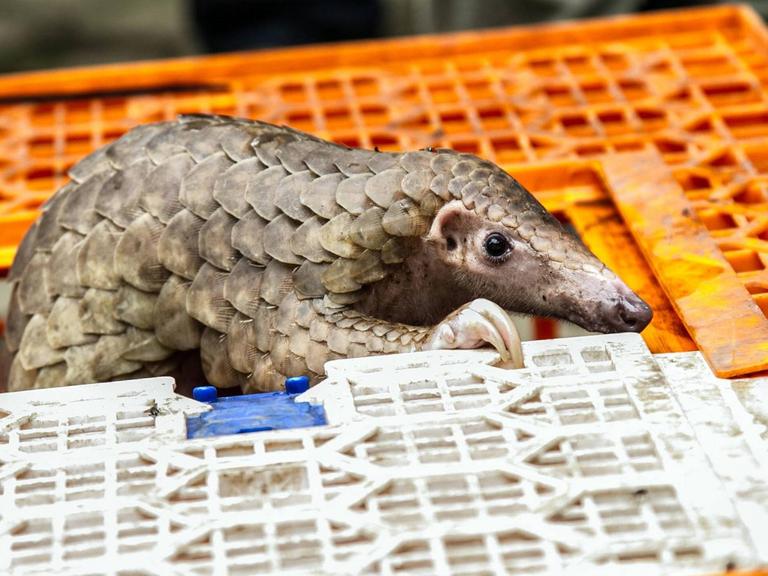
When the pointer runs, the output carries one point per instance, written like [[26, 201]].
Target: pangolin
[[260, 251]]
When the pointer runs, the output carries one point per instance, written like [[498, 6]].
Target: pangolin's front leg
[[477, 324], [305, 334]]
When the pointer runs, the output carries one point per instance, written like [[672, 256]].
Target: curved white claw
[[475, 324]]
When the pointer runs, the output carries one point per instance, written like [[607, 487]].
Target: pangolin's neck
[[422, 291]]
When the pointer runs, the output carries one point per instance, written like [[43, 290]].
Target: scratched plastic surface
[[596, 459], [688, 85]]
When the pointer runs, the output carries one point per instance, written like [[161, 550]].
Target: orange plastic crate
[[687, 85]]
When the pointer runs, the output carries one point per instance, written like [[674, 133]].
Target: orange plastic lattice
[[702, 281], [689, 85]]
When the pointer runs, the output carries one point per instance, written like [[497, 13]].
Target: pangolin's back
[[202, 233]]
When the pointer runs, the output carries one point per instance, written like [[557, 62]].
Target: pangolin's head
[[502, 244]]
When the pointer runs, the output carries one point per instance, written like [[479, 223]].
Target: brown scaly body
[[267, 249]]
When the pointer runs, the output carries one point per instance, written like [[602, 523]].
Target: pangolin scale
[[268, 250]]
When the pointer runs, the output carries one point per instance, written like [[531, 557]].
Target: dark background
[[37, 34]]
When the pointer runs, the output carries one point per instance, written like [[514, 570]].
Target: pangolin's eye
[[496, 246]]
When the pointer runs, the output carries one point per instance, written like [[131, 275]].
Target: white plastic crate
[[596, 458]]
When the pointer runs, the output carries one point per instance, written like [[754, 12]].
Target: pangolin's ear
[[448, 222]]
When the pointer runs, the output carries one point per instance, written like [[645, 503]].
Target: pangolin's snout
[[633, 314], [605, 305], [624, 312]]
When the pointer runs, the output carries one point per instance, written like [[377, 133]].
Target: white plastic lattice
[[597, 457]]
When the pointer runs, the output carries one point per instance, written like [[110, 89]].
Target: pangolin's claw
[[475, 324]]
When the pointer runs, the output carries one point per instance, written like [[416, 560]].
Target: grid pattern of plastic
[[434, 463], [728, 325]]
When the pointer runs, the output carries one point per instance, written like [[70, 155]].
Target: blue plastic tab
[[297, 384], [205, 393], [255, 413]]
